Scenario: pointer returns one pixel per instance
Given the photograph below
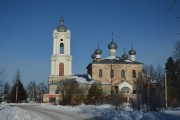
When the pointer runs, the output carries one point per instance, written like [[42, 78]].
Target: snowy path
[[47, 114], [26, 111]]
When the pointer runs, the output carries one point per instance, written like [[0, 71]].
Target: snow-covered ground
[[105, 112], [14, 113]]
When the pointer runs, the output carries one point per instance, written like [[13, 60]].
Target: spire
[[62, 21], [131, 46], [124, 50], [112, 36]]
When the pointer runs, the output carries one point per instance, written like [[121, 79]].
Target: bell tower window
[[61, 48]]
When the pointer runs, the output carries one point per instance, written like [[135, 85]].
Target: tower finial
[[98, 44], [124, 50], [131, 45], [62, 21], [112, 36]]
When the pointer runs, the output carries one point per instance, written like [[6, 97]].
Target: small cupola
[[98, 53], [125, 56], [132, 53], [112, 49]]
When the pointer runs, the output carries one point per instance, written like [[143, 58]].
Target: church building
[[121, 72]]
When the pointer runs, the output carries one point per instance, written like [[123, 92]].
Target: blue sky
[[26, 28]]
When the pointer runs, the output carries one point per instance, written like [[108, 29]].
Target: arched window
[[123, 73], [111, 73], [61, 48], [134, 74], [61, 69], [125, 89], [100, 73]]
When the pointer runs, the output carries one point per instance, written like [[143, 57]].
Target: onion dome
[[132, 52], [61, 27], [93, 56], [112, 45], [125, 56], [98, 51]]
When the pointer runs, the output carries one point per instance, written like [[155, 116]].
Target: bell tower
[[61, 60]]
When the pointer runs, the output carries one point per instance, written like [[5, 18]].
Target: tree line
[[18, 93]]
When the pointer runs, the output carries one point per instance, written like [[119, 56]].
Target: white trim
[[125, 84]]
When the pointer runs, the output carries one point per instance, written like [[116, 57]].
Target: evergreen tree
[[176, 84], [18, 93], [176, 51], [171, 81], [177, 80], [1, 79]]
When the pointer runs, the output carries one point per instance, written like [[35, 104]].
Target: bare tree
[[69, 89], [6, 88], [148, 85], [81, 93], [159, 73], [6, 91], [41, 89], [117, 99], [1, 79], [32, 90], [172, 5], [95, 93]]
